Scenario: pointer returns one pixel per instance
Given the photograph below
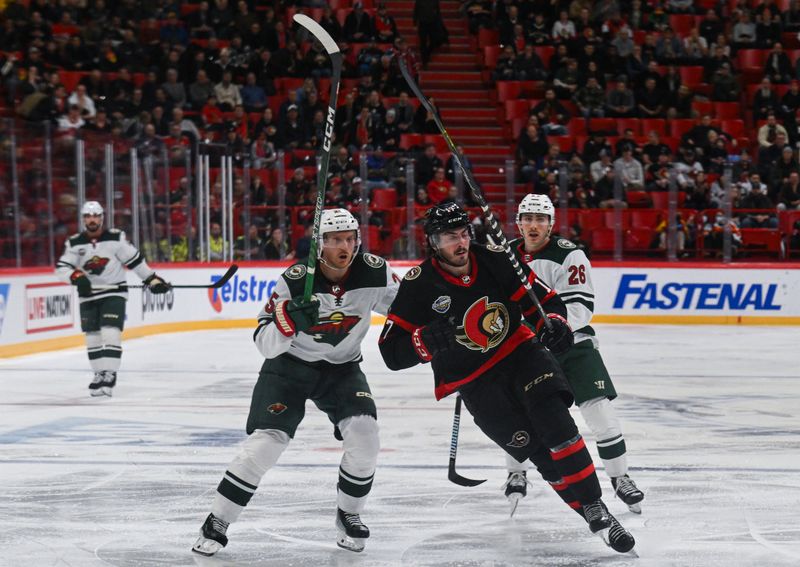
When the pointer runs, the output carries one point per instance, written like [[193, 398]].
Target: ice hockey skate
[[352, 532], [516, 489], [212, 536], [109, 381], [627, 491], [602, 523], [96, 386]]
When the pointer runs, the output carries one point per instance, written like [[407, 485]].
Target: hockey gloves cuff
[[559, 338], [80, 280], [157, 285], [438, 336], [300, 315]]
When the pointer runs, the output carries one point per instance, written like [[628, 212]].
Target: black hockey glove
[[435, 337], [157, 285], [80, 280], [559, 340], [304, 314]]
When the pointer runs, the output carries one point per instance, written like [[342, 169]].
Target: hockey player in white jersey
[[98, 257], [312, 350], [565, 268]]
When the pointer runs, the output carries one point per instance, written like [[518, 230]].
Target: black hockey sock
[[573, 461], [235, 489]]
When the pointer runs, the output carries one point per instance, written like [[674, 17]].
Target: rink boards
[[38, 313]]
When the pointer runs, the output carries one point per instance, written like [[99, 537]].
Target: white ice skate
[[212, 536], [96, 386], [516, 487]]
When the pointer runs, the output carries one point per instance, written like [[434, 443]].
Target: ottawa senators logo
[[95, 265], [484, 325], [334, 328], [519, 439]]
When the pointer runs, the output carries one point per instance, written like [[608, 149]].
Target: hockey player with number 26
[[313, 349], [567, 269], [462, 310]]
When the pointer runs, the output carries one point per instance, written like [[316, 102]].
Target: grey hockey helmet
[[335, 220], [536, 205]]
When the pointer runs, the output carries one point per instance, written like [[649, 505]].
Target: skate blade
[[635, 508], [513, 502], [97, 393], [206, 547], [350, 543], [106, 391]]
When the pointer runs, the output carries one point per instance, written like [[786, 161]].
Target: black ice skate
[[619, 539], [516, 488], [109, 381], [627, 491], [352, 532], [602, 523], [96, 386], [212, 536], [597, 516]]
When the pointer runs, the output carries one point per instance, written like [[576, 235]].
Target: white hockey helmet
[[335, 220], [92, 208], [537, 205]]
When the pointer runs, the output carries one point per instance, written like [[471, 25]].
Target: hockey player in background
[[564, 267], [97, 257], [462, 311], [312, 350]]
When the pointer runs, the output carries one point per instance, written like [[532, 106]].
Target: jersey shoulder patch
[[413, 273], [373, 261], [566, 244], [78, 239], [295, 272]]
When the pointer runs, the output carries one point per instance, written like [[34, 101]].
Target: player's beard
[[92, 227], [458, 259]]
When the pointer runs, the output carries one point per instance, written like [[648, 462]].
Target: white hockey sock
[[111, 354], [361, 446], [602, 420], [513, 465], [94, 348], [259, 453]]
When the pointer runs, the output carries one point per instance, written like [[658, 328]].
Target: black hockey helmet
[[446, 216]]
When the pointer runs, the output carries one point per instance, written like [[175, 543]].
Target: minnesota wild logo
[[95, 265], [334, 328]]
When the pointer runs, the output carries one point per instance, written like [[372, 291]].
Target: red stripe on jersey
[[567, 451], [549, 296], [402, 323], [521, 335], [577, 477], [521, 292], [575, 505]]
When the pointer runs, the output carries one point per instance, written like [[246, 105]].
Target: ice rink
[[710, 415]]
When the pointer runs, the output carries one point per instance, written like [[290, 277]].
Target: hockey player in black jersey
[[461, 310], [313, 350]]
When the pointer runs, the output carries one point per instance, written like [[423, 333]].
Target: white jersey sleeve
[[67, 263], [392, 285], [573, 282], [131, 258], [274, 334]]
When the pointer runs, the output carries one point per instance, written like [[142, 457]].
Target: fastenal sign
[[49, 307]]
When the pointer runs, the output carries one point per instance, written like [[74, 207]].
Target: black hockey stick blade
[[452, 475], [216, 285]]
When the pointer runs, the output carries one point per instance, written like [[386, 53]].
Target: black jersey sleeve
[[551, 302], [405, 316]]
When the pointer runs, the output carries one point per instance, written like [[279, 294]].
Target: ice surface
[[709, 414]]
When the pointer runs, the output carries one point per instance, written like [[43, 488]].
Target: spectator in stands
[[669, 48], [427, 165], [680, 105], [651, 100], [635, 66], [597, 169], [292, 133], [83, 101], [200, 90], [566, 80], [100, 122], [358, 25], [531, 149], [227, 93], [173, 32], [713, 64], [334, 196], [780, 170], [250, 246], [563, 29], [423, 120], [744, 31], [330, 23], [378, 170], [777, 66], [620, 102], [791, 17], [438, 188], [551, 115], [387, 134], [538, 31], [385, 26], [174, 89], [768, 31], [757, 199], [479, 14], [681, 234], [695, 47], [725, 87], [627, 141], [629, 171], [71, 122], [432, 32], [404, 113], [276, 248], [711, 26], [768, 133], [298, 185], [790, 193], [590, 100]]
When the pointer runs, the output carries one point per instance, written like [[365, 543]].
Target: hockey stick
[[216, 285], [322, 176], [452, 475], [477, 194]]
